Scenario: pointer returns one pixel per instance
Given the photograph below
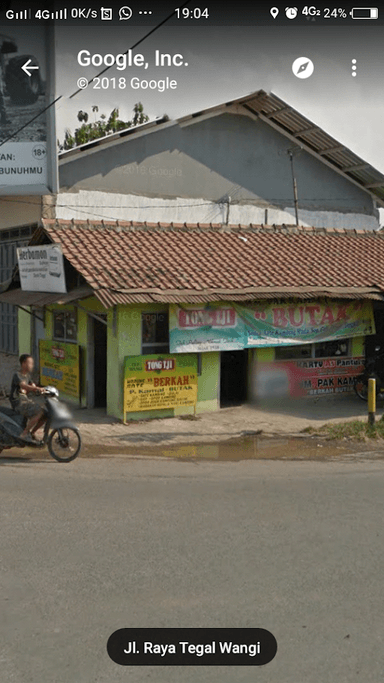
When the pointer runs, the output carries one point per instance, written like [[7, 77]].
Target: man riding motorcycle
[[22, 401]]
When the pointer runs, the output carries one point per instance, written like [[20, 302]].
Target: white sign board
[[28, 151], [41, 268]]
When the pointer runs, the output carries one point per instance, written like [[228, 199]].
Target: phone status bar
[[190, 13]]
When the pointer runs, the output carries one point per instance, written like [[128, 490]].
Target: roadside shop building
[[228, 164], [164, 319]]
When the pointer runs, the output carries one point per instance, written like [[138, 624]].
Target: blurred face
[[28, 365]]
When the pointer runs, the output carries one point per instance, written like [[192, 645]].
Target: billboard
[[41, 268], [299, 378], [227, 327], [28, 155], [157, 382], [60, 366]]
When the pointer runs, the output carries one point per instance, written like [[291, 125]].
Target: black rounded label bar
[[192, 646]]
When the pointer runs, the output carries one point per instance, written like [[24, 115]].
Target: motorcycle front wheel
[[64, 444]]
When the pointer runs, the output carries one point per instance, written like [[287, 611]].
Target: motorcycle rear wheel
[[64, 444], [361, 387]]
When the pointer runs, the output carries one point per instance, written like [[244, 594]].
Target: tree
[[101, 127]]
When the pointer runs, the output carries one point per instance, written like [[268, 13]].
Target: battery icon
[[365, 13]]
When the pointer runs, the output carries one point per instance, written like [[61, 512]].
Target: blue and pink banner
[[229, 327]]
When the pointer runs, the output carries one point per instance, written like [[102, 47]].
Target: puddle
[[249, 447]]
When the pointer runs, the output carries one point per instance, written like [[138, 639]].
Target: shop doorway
[[100, 363], [233, 378], [97, 363], [37, 333]]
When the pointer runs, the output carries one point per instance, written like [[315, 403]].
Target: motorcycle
[[374, 367], [60, 434]]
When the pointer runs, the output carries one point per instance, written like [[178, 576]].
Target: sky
[[222, 63], [229, 62]]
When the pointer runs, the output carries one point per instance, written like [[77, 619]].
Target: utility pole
[[227, 212], [295, 198]]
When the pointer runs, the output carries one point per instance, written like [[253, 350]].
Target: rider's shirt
[[17, 394]]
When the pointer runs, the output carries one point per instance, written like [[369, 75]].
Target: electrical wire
[[184, 206]]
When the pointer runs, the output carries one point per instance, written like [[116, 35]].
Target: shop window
[[154, 333], [328, 349], [339, 347], [65, 326], [293, 352]]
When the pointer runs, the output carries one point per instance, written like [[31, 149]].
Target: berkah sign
[[41, 269], [28, 153]]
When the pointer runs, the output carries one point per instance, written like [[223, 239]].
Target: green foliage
[[101, 127], [355, 430]]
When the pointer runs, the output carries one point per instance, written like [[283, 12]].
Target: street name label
[[192, 647]]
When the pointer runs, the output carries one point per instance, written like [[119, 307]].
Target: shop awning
[[18, 297]]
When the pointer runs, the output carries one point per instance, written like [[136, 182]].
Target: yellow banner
[[60, 366], [157, 382]]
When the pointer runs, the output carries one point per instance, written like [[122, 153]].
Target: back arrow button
[[28, 66]]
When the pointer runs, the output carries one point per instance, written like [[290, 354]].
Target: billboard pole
[[52, 162]]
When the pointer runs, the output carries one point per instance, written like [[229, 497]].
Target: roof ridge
[[120, 225]]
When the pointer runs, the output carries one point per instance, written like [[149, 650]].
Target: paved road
[[294, 547]]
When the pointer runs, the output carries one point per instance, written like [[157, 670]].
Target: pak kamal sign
[[155, 383], [60, 366], [219, 327], [298, 378], [28, 149], [41, 268]]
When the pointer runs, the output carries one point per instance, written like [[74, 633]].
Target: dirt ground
[[287, 419], [275, 429]]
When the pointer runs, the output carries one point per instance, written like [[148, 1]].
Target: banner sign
[[60, 366], [41, 268], [157, 382], [220, 327], [28, 154], [214, 327], [298, 378]]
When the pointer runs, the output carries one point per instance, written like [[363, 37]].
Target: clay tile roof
[[128, 262]]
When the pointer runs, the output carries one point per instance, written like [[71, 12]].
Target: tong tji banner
[[230, 327]]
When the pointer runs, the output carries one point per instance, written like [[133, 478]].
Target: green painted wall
[[124, 339], [127, 342], [266, 355], [49, 335], [207, 386], [24, 332], [91, 304], [357, 346]]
